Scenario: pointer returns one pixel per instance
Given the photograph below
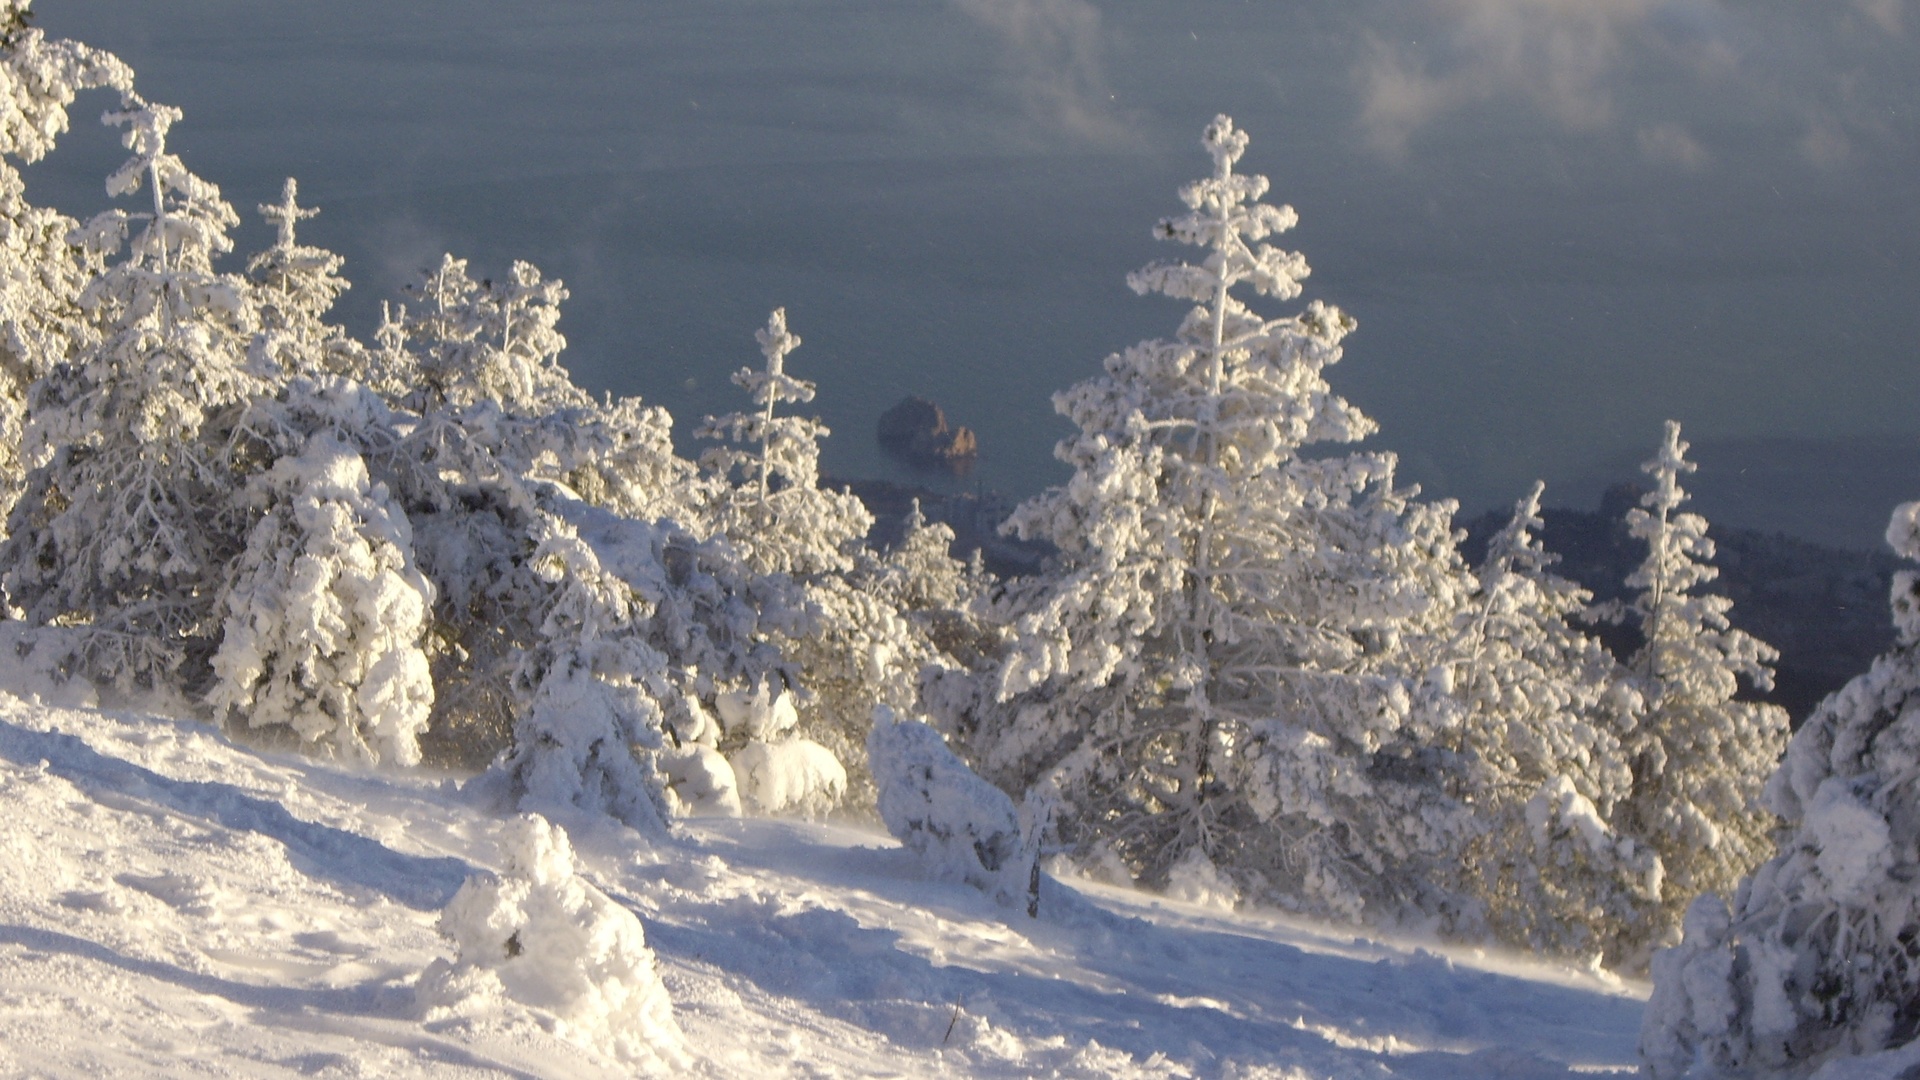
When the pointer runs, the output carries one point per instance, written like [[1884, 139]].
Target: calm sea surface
[[1557, 225]]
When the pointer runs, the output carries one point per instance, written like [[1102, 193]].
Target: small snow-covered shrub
[[761, 713], [701, 780], [962, 828], [590, 719], [30, 658], [1196, 880], [776, 771], [540, 936], [324, 618], [583, 737]]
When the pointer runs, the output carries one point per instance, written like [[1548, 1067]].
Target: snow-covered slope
[[175, 904]]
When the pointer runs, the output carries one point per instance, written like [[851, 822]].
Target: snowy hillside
[[172, 903], [570, 699]]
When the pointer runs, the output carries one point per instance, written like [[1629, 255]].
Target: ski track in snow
[[175, 904]]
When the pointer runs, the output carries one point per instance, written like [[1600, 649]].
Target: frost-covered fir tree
[[574, 610], [126, 528], [940, 597], [479, 364], [1817, 959], [179, 513], [1535, 761], [1214, 664], [1699, 756], [295, 286], [878, 630], [590, 693], [325, 614], [487, 341], [488, 439], [41, 274], [775, 511], [850, 649]]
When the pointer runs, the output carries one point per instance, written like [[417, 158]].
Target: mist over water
[[1558, 224]]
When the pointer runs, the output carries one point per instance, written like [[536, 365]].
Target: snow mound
[[29, 667], [798, 775], [1196, 880], [701, 780], [962, 828], [540, 936]]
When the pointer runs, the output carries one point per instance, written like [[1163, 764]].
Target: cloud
[[1889, 15], [1557, 54], [1672, 145], [1055, 61], [1823, 77], [1825, 144]]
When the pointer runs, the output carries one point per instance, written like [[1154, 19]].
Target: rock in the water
[[916, 431]]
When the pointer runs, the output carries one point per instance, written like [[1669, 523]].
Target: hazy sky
[[1558, 222]]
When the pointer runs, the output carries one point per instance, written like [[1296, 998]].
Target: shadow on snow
[[1208, 995], [319, 851]]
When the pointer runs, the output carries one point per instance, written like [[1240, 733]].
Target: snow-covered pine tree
[[295, 286], [488, 440], [848, 647], [325, 612], [41, 273], [1700, 757], [1535, 758], [479, 364], [774, 509], [937, 594], [877, 631], [1214, 664], [488, 342], [590, 692], [1818, 958], [124, 529]]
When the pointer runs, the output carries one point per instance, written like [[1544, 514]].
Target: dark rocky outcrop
[[916, 432]]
